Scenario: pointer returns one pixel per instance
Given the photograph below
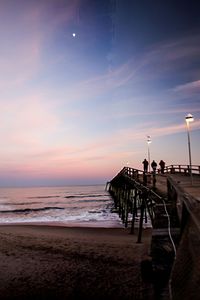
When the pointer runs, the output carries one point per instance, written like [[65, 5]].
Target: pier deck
[[180, 180], [171, 201], [184, 182]]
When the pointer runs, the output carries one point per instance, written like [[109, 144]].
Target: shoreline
[[83, 224], [65, 224], [61, 262]]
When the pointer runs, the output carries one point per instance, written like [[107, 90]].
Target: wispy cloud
[[189, 87], [158, 62], [139, 134]]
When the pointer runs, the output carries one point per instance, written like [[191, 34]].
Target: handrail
[[168, 169], [182, 169]]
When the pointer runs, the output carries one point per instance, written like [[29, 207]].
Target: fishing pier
[[171, 203]]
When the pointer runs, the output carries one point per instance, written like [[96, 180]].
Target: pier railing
[[172, 169], [186, 271], [185, 169], [134, 191], [195, 169], [134, 197]]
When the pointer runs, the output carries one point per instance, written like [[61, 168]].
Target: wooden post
[[145, 215], [119, 202], [127, 207], [144, 178], [134, 212], [141, 222], [154, 180]]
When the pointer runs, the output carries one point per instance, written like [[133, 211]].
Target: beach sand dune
[[52, 262]]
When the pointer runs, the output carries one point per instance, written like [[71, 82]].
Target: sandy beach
[[54, 262]]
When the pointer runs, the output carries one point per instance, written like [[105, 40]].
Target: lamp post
[[189, 118], [148, 143]]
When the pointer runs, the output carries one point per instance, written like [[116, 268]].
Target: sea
[[89, 206]]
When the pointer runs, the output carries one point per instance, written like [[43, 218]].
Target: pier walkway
[[171, 202]]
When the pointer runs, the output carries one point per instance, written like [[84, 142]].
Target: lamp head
[[189, 118], [148, 139]]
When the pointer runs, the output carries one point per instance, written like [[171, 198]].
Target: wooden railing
[[182, 169], [131, 195], [185, 169], [188, 256]]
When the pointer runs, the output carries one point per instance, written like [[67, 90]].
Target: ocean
[[68, 205]]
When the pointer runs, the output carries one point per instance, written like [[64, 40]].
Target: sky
[[76, 109]]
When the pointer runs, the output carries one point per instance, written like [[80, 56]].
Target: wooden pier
[[171, 203]]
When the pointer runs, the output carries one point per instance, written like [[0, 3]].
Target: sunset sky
[[76, 109]]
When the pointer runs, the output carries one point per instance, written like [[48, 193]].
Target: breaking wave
[[30, 210]]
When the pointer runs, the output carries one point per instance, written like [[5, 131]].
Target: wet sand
[[54, 262]]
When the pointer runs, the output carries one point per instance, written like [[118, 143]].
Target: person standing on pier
[[145, 164], [154, 166], [162, 166]]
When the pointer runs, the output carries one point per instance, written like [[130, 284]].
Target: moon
[[74, 34]]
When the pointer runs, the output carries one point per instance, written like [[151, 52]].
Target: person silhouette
[[162, 166], [145, 164], [154, 166]]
